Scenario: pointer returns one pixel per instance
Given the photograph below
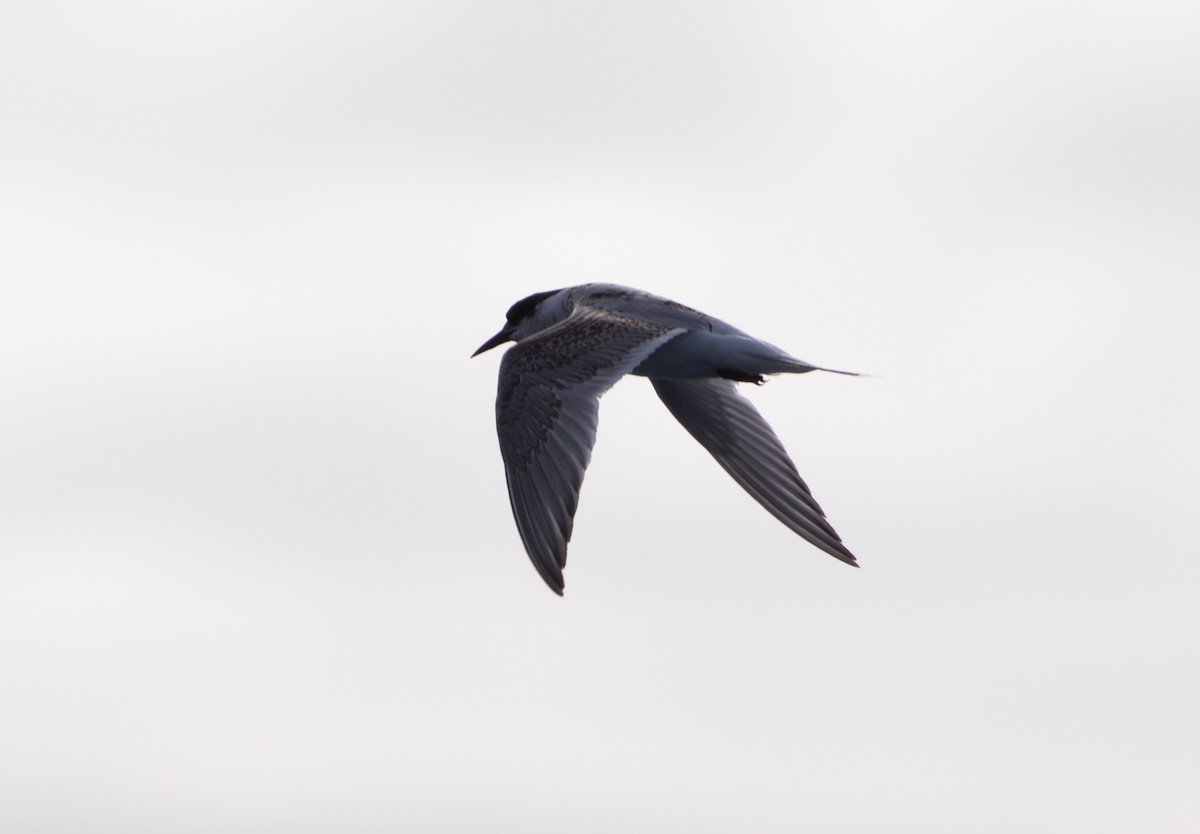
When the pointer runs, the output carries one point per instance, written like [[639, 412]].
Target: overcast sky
[[257, 566]]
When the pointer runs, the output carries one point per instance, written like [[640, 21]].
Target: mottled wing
[[652, 308], [730, 427], [547, 409]]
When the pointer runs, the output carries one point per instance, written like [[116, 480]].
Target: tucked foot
[[740, 376]]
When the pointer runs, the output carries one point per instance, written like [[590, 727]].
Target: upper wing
[[652, 308], [730, 427], [547, 409]]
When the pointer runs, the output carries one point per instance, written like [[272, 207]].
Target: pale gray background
[[258, 570]]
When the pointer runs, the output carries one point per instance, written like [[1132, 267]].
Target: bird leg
[[741, 376]]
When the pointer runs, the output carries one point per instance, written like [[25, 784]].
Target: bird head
[[522, 321]]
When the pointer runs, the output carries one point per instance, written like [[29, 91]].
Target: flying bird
[[572, 345]]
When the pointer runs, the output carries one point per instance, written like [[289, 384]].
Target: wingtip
[[842, 555], [849, 559], [555, 583]]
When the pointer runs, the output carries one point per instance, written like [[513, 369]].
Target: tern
[[572, 345]]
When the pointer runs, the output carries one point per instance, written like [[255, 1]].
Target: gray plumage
[[573, 345]]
